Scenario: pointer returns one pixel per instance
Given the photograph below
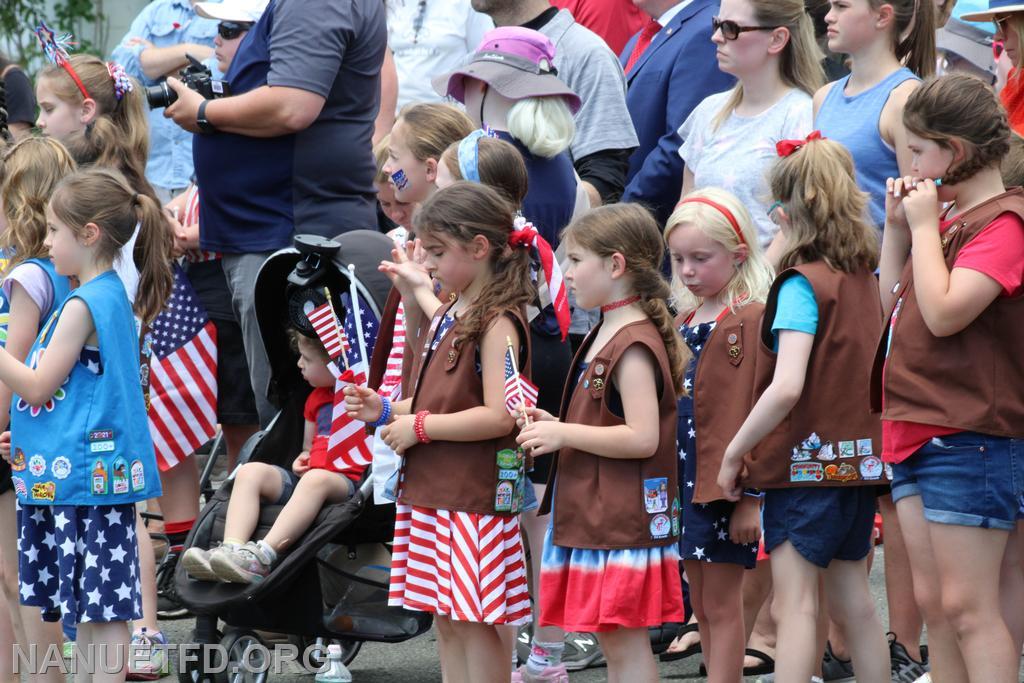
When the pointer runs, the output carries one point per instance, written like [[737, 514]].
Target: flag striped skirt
[[462, 565], [602, 590]]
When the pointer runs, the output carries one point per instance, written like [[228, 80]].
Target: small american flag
[[182, 376], [325, 324], [349, 447], [513, 381]]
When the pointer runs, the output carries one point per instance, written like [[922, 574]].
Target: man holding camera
[[157, 45], [290, 150]]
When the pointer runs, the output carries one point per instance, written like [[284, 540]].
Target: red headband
[[722, 210]]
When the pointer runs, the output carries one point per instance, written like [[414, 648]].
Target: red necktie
[[642, 43]]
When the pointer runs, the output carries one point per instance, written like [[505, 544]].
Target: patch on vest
[[656, 495], [871, 468], [803, 472], [37, 465], [61, 467], [847, 449], [44, 490], [843, 472], [660, 526], [865, 447], [99, 479]]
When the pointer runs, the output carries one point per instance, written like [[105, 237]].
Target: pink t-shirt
[[36, 283], [998, 252]]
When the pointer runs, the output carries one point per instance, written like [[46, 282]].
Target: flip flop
[[662, 636], [682, 654], [766, 667]]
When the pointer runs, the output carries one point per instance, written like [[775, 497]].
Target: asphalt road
[[416, 661]]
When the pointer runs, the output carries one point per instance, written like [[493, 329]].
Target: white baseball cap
[[238, 11]]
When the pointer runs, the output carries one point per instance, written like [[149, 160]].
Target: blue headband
[[469, 156]]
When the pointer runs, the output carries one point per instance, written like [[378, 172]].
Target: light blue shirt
[[166, 23], [797, 309]]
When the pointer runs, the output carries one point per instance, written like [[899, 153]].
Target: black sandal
[[682, 654], [767, 665]]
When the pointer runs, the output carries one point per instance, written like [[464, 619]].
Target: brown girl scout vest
[[469, 476], [830, 438], [609, 503], [723, 392], [972, 380]]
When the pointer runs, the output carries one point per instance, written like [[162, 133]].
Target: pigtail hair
[[654, 293], [152, 255], [105, 144]]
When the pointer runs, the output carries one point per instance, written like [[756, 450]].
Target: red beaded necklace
[[620, 303]]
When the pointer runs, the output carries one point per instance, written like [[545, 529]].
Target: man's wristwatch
[[204, 125]]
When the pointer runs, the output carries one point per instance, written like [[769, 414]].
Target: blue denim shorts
[[530, 501], [288, 481], [968, 479], [823, 523]]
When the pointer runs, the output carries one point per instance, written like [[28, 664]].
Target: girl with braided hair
[[952, 392]]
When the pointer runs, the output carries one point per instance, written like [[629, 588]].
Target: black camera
[[196, 77]]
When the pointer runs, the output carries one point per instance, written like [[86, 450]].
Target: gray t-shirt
[[587, 65], [737, 155]]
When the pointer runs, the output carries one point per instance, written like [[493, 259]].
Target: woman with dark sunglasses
[[1008, 17]]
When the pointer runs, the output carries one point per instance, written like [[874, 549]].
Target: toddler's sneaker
[[196, 562], [248, 563], [551, 674], [147, 660]]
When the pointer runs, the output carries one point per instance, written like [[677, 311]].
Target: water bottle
[[334, 670]]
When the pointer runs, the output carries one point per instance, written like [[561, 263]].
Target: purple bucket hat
[[515, 61]]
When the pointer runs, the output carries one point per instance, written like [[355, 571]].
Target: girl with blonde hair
[[720, 279]]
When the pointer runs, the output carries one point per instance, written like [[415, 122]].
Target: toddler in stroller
[[312, 482]]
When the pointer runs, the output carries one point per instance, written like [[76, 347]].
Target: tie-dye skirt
[[601, 590]]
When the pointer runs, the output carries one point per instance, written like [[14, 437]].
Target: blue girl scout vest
[[58, 283], [90, 443]]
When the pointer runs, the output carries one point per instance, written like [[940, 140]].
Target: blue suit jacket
[[674, 74]]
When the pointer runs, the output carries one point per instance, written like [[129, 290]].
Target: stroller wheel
[[248, 658], [193, 671]]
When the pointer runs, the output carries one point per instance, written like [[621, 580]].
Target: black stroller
[[333, 582]]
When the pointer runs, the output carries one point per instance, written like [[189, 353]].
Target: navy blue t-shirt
[[257, 192], [549, 203]]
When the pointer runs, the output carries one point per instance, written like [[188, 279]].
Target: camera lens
[[160, 95]]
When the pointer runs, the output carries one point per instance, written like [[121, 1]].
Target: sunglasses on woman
[[229, 30], [732, 30]]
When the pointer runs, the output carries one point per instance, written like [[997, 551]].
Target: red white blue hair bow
[[526, 236], [122, 83]]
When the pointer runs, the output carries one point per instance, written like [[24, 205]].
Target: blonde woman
[[729, 139]]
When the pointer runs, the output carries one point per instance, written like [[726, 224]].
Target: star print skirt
[[705, 533], [80, 563], [602, 590]]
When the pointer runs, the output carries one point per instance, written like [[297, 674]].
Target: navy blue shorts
[[967, 478], [80, 563], [823, 524]]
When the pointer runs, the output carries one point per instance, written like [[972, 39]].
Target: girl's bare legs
[[534, 528], [795, 609], [110, 645], [629, 656], [451, 651], [486, 657], [147, 577], [254, 481], [1011, 586], [313, 490], [853, 609], [717, 600], [947, 666], [971, 600], [757, 611], [905, 618]]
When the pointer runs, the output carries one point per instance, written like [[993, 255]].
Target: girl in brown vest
[[610, 561], [720, 282], [948, 376], [457, 551], [810, 439]]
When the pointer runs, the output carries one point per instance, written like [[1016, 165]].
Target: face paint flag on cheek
[[399, 179]]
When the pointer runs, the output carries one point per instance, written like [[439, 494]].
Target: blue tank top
[[58, 283], [89, 444], [853, 121]]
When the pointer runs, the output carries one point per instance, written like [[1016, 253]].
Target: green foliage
[[81, 18]]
